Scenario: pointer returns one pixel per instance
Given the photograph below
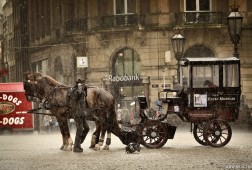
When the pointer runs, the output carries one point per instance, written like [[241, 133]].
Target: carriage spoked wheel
[[154, 134], [217, 133], [198, 133]]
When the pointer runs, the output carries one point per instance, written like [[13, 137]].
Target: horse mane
[[37, 74], [52, 82], [33, 76]]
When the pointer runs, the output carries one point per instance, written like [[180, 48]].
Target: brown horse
[[100, 107]]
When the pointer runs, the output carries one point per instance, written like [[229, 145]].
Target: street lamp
[[178, 43], [234, 26]]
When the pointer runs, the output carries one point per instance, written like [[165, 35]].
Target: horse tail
[[114, 128]]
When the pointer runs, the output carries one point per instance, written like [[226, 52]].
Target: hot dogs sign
[[13, 110]]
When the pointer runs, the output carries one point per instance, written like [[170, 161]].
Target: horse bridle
[[33, 87], [45, 101], [29, 85]]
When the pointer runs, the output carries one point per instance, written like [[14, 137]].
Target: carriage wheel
[[217, 133], [198, 133], [154, 134]]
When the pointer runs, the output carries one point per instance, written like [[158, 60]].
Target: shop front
[[126, 81]]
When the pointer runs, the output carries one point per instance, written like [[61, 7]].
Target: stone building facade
[[127, 43]]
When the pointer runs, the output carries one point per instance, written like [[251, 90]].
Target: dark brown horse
[[99, 107]]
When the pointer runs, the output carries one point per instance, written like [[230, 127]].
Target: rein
[[51, 100], [50, 96], [33, 111]]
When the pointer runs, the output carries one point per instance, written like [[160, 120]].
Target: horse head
[[32, 77], [30, 87], [37, 86]]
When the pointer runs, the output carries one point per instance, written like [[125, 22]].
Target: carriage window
[[185, 76], [203, 74], [230, 75]]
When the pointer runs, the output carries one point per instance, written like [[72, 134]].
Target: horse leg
[[108, 141], [67, 140], [95, 135], [85, 130], [101, 140]]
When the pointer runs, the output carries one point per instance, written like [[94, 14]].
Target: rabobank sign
[[125, 77]]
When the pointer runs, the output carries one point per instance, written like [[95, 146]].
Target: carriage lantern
[[234, 26], [178, 43]]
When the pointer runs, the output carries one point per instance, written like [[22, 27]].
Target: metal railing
[[76, 25], [121, 20], [200, 18], [152, 20]]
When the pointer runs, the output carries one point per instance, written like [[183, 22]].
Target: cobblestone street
[[41, 152]]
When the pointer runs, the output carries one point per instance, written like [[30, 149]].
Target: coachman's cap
[[207, 82]]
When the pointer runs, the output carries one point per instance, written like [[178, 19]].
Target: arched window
[[127, 62], [126, 69], [199, 51]]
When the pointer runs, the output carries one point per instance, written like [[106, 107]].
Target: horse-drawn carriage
[[208, 97]]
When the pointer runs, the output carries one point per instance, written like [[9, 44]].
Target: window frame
[[204, 72], [198, 6], [125, 8], [40, 66]]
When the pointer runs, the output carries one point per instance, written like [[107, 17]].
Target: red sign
[[13, 109], [4, 72]]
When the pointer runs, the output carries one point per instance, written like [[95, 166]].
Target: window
[[230, 75], [203, 73], [40, 66], [197, 5], [185, 76], [124, 7], [197, 11], [127, 63]]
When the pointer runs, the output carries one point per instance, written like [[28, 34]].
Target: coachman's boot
[[77, 145], [77, 149]]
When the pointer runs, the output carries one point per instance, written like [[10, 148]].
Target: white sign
[[167, 56], [200, 100], [117, 78], [82, 62]]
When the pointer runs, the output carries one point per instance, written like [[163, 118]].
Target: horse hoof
[[69, 148], [106, 147], [97, 147], [77, 149], [62, 147], [92, 146]]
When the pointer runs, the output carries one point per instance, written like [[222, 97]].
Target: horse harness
[[47, 103]]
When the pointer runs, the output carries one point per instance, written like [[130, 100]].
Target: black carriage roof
[[209, 61]]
